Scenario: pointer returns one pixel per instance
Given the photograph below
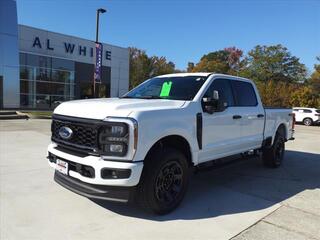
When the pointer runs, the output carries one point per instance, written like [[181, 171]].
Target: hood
[[101, 108]]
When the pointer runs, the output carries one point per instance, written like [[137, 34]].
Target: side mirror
[[213, 104]]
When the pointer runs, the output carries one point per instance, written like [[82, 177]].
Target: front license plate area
[[62, 166]]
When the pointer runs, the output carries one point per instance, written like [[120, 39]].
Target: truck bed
[[275, 117]]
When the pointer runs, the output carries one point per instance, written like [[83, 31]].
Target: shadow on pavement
[[242, 187]]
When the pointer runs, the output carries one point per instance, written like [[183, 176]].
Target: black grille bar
[[85, 132]]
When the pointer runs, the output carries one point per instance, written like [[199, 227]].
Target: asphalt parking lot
[[241, 201]]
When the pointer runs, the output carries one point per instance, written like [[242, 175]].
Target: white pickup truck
[[143, 145]]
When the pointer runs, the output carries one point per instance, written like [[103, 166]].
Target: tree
[[143, 67], [314, 81], [222, 61], [160, 66], [190, 67], [304, 97], [266, 63], [139, 64], [234, 59]]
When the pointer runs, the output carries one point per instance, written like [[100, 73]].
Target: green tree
[[266, 63], [143, 67]]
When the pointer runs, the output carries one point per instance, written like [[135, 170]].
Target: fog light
[[110, 173]]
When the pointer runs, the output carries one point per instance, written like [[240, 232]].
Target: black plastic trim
[[110, 193], [199, 129], [236, 116], [267, 142]]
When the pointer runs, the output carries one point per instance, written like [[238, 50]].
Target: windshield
[[175, 88]]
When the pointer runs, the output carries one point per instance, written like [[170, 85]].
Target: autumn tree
[[314, 81], [222, 61], [273, 63]]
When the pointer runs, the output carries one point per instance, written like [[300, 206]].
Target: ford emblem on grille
[[65, 132]]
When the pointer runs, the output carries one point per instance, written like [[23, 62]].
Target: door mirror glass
[[215, 95], [213, 104]]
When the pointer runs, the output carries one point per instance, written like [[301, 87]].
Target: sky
[[183, 31]]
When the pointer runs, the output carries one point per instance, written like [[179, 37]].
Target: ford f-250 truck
[[143, 145]]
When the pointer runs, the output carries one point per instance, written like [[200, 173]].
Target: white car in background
[[308, 116]]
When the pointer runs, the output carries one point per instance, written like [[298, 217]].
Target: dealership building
[[40, 69]]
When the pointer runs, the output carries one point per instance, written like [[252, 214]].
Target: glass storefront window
[[27, 87], [26, 72], [62, 76], [27, 101], [43, 74], [62, 64], [45, 82]]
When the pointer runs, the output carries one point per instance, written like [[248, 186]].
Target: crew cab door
[[221, 131], [252, 114]]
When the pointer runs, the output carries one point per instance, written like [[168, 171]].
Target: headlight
[[113, 139]]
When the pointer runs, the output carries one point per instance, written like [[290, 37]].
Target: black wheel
[[273, 156], [307, 121], [164, 181]]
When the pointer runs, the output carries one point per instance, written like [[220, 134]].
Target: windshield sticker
[[165, 90]]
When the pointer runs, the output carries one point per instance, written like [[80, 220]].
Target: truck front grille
[[84, 133]]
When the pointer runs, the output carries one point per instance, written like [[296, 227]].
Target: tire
[[164, 181], [307, 121], [272, 157]]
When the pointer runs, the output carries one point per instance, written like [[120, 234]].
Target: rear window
[[244, 93]]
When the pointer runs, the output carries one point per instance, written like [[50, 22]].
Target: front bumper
[[102, 192], [96, 163]]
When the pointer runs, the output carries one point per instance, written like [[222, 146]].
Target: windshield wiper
[[144, 97], [151, 97], [128, 97]]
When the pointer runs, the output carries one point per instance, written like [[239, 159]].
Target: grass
[[39, 114]]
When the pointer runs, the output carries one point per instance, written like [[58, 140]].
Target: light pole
[[100, 10]]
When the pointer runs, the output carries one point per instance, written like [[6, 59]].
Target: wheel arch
[[174, 141], [282, 128]]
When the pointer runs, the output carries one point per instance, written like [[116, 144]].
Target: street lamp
[[100, 10]]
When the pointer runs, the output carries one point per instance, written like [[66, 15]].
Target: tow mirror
[[213, 104]]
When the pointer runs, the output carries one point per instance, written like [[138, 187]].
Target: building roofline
[[68, 35]]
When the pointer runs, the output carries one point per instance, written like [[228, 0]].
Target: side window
[[224, 88], [244, 93], [307, 111]]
